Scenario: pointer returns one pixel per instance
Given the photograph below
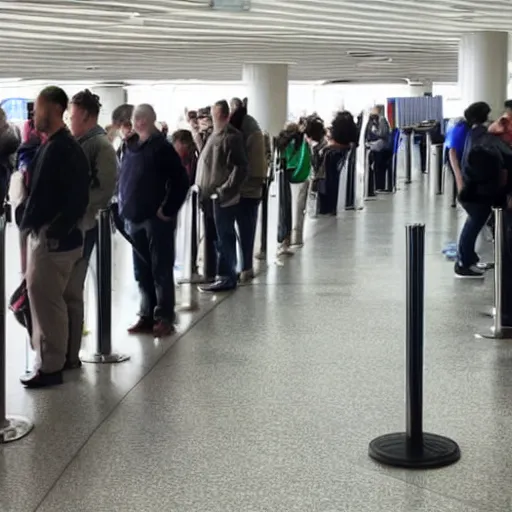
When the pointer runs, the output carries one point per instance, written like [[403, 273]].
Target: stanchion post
[[414, 449], [190, 302], [408, 142], [12, 428], [498, 330], [104, 352], [262, 254]]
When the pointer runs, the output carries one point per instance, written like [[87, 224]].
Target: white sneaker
[[246, 276], [284, 250]]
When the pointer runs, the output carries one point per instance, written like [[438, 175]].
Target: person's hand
[[161, 216]]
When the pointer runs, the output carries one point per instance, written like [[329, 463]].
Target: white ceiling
[[186, 39]]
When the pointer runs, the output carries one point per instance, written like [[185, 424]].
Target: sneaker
[[220, 285], [246, 276], [39, 379], [143, 326], [163, 328], [284, 250], [472, 272]]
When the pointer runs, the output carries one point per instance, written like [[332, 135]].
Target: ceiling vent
[[231, 5]]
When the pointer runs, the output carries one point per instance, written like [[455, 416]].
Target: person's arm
[[457, 171], [105, 171], [177, 182], [236, 161], [71, 176]]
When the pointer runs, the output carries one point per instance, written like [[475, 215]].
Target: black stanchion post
[[414, 448], [408, 143], [104, 352], [209, 254], [262, 254], [12, 428]]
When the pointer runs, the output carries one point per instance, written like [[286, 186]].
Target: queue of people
[[65, 176]]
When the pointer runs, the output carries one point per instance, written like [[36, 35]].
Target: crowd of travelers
[[57, 176], [58, 173]]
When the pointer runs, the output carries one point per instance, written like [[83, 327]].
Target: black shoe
[[39, 379], [221, 285], [72, 365], [472, 272]]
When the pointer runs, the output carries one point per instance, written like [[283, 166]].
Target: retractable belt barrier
[[414, 449], [103, 353], [12, 428]]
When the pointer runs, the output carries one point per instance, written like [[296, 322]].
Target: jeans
[[154, 267], [381, 164], [247, 220], [225, 244], [478, 214]]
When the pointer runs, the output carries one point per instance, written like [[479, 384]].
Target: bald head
[[144, 119]]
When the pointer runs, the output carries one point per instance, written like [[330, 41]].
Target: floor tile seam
[[147, 372]]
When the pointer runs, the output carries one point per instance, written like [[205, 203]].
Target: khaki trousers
[[50, 292], [299, 202]]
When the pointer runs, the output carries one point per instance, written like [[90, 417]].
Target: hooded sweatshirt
[[102, 160], [254, 141], [151, 176]]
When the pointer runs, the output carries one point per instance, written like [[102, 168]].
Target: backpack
[[298, 161]]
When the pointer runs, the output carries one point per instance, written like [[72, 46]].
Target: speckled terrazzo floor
[[268, 400]]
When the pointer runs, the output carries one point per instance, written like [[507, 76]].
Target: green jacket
[[298, 160]]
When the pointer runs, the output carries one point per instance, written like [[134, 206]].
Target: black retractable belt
[[414, 448]]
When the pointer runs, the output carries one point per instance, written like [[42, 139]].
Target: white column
[[267, 93], [483, 69], [419, 90], [110, 99]]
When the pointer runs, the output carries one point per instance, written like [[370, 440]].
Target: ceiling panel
[[185, 39]]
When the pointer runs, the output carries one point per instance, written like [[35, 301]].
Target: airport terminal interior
[[267, 397]]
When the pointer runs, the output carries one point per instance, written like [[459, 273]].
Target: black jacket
[[59, 191], [151, 176]]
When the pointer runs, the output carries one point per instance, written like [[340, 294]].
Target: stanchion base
[[504, 334], [17, 427], [394, 450], [102, 359]]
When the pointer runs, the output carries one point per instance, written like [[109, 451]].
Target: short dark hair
[[477, 113], [56, 96], [122, 114], [224, 107], [344, 129], [315, 129], [183, 136], [508, 104], [87, 101]]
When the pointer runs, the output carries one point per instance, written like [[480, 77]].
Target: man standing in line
[[57, 202], [153, 185], [222, 170], [252, 189], [84, 110]]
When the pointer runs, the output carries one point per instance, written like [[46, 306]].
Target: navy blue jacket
[[151, 176]]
